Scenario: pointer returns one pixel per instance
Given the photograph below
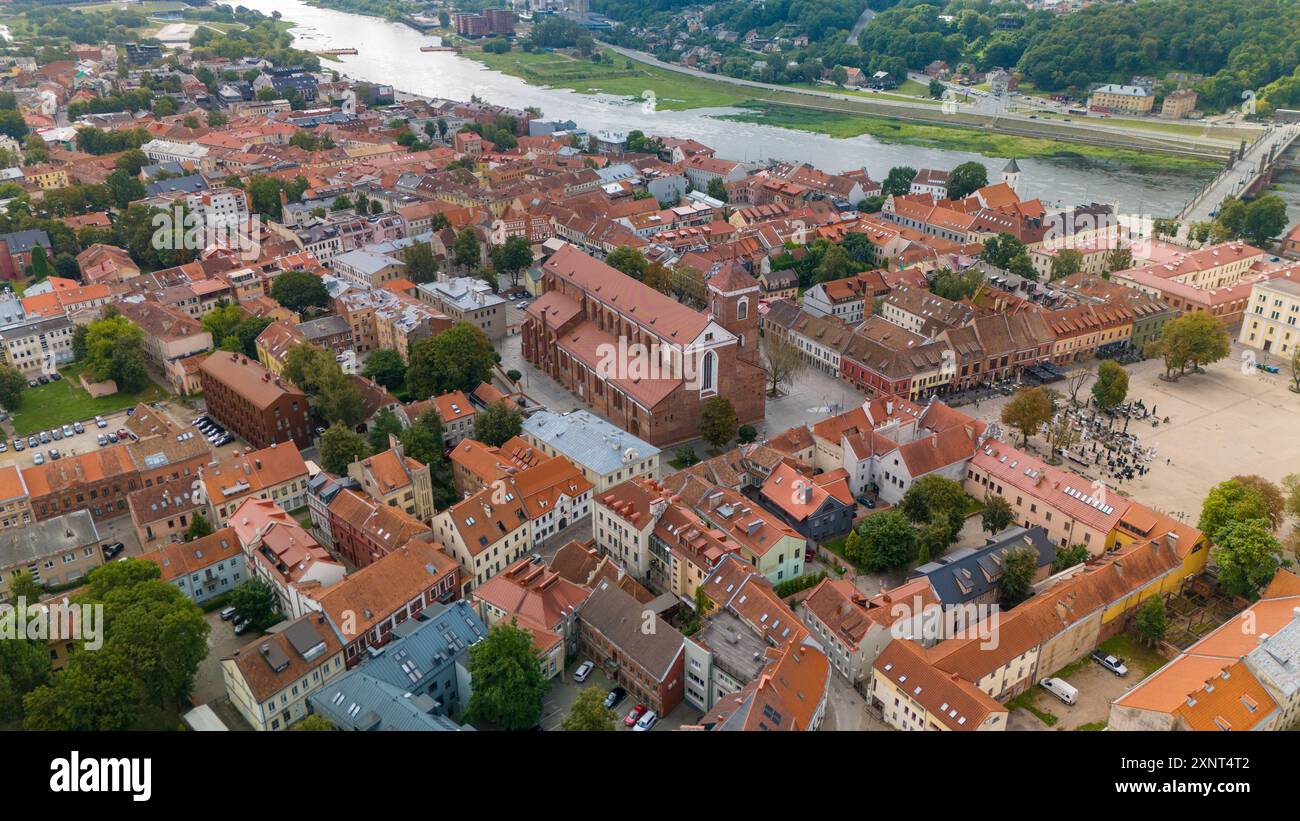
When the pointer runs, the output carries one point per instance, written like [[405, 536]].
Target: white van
[[1060, 688]]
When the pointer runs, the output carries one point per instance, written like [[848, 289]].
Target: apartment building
[[276, 472], [253, 403], [269, 679], [204, 568], [55, 551]]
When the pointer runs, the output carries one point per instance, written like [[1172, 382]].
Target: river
[[390, 53]]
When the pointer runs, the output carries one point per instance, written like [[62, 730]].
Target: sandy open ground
[[1222, 423]]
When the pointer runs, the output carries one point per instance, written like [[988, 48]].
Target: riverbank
[[986, 143], [626, 77]]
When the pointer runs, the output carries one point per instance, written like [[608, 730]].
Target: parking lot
[[564, 691], [82, 442]]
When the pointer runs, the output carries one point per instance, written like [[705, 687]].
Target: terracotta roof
[[957, 703], [248, 378], [183, 559], [379, 589], [533, 592], [276, 661]]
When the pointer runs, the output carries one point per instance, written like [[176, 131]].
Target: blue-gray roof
[[587, 440], [365, 261], [424, 648], [20, 242], [177, 185], [357, 701], [970, 573]]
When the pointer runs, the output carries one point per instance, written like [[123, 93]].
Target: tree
[[1291, 484], [1118, 259], [887, 542], [997, 514], [783, 362], [717, 189], [199, 527], [423, 440], [381, 427], [936, 88], [1192, 340], [685, 456], [337, 398], [1266, 217], [340, 447], [299, 290], [12, 385], [40, 264], [458, 359], [465, 250], [1111, 386], [966, 179], [385, 367], [1152, 623], [1247, 556], [1269, 493], [718, 422], [589, 713], [934, 498], [159, 631], [1028, 411], [497, 423], [508, 682], [123, 188], [833, 264], [95, 691], [1229, 502], [1074, 382], [1067, 557], [24, 666], [1018, 569], [1066, 262], [1001, 249], [114, 350], [1060, 436], [257, 603], [312, 723], [512, 257], [421, 266], [746, 434], [629, 260], [899, 181]]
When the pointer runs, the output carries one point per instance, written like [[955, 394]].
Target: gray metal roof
[[357, 701], [588, 441], [967, 574], [40, 540], [423, 649], [365, 261], [1276, 661]]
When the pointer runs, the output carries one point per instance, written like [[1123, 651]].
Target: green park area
[[64, 401]]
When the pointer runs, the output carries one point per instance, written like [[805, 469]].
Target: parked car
[[1060, 688], [240, 627], [634, 715], [100, 422], [56, 376], [1111, 663], [103, 440], [19, 444], [614, 697], [867, 501], [228, 613], [584, 670], [112, 549], [32, 383], [112, 438], [56, 434], [646, 722], [39, 460], [33, 442], [45, 437], [3, 447], [68, 430], [123, 433], [54, 453], [43, 379], [78, 428]]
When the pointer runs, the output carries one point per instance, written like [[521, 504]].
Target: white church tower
[[1011, 175]]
